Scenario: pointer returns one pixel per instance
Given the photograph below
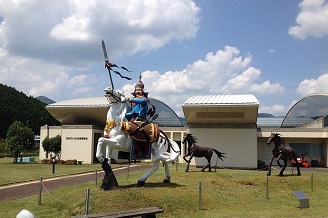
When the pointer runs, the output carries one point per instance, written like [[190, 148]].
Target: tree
[[46, 144], [19, 139], [52, 145], [15, 105]]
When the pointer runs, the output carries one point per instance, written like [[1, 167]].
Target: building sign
[[76, 138]]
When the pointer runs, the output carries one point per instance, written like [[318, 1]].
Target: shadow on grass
[[286, 175], [151, 185]]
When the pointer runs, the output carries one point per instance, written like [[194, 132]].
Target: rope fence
[[87, 194]]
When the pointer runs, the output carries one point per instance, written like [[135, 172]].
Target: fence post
[[311, 181], [40, 191], [216, 163], [87, 195], [96, 172], [200, 194]]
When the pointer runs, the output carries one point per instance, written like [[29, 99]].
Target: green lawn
[[11, 173], [225, 193]]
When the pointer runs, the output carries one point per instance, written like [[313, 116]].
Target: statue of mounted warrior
[[130, 128]]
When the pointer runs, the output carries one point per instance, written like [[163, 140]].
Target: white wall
[[76, 144], [77, 141], [240, 146], [50, 131]]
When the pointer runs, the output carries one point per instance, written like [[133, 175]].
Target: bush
[[260, 164]]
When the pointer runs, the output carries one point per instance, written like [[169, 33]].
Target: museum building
[[228, 123]]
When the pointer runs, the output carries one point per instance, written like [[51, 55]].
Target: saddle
[[143, 135], [141, 131]]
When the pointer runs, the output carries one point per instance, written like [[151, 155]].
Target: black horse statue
[[199, 151], [281, 153]]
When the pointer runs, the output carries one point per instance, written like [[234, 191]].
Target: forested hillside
[[15, 105]]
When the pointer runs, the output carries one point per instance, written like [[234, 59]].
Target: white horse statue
[[120, 140]]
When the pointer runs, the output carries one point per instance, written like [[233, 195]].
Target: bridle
[[113, 96]]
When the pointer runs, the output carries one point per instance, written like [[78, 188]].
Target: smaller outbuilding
[[226, 123]]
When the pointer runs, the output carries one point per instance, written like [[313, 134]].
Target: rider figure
[[139, 103], [140, 107]]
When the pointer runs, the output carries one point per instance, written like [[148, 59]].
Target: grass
[[225, 193], [18, 172]]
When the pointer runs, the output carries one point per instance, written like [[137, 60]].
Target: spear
[[107, 63]]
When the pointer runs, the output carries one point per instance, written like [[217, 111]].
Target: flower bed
[[71, 162]]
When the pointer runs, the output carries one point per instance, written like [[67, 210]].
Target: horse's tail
[[219, 154], [175, 150], [168, 141]]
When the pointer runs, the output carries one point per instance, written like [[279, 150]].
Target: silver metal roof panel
[[221, 99]]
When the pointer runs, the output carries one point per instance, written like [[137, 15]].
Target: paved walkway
[[21, 190]]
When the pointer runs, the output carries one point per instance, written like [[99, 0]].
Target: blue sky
[[276, 50]]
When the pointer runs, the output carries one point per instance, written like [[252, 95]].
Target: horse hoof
[[280, 174], [268, 174], [166, 180], [186, 171], [140, 183], [299, 174]]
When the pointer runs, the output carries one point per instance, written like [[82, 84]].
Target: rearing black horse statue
[[199, 151], [281, 153]]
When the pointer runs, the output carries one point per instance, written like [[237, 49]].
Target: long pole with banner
[[107, 63]]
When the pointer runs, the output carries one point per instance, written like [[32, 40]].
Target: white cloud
[[72, 28], [44, 44], [276, 109], [50, 88], [223, 72], [312, 20], [50, 48], [273, 109], [310, 86], [244, 83]]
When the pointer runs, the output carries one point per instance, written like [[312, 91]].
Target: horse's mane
[[281, 139], [192, 138]]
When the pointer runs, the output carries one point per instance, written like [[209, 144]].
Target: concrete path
[[21, 190]]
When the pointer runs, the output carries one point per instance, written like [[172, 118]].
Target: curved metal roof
[[93, 111], [221, 109], [82, 102], [222, 100], [307, 109]]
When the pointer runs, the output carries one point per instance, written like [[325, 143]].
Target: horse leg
[[283, 168], [100, 149], [144, 177], [297, 165], [207, 165], [109, 150], [167, 178], [191, 156], [209, 161], [270, 164], [105, 152], [184, 157], [278, 162]]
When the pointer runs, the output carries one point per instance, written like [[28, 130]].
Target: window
[[312, 149]]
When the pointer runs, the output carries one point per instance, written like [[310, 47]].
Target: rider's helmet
[[139, 87]]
